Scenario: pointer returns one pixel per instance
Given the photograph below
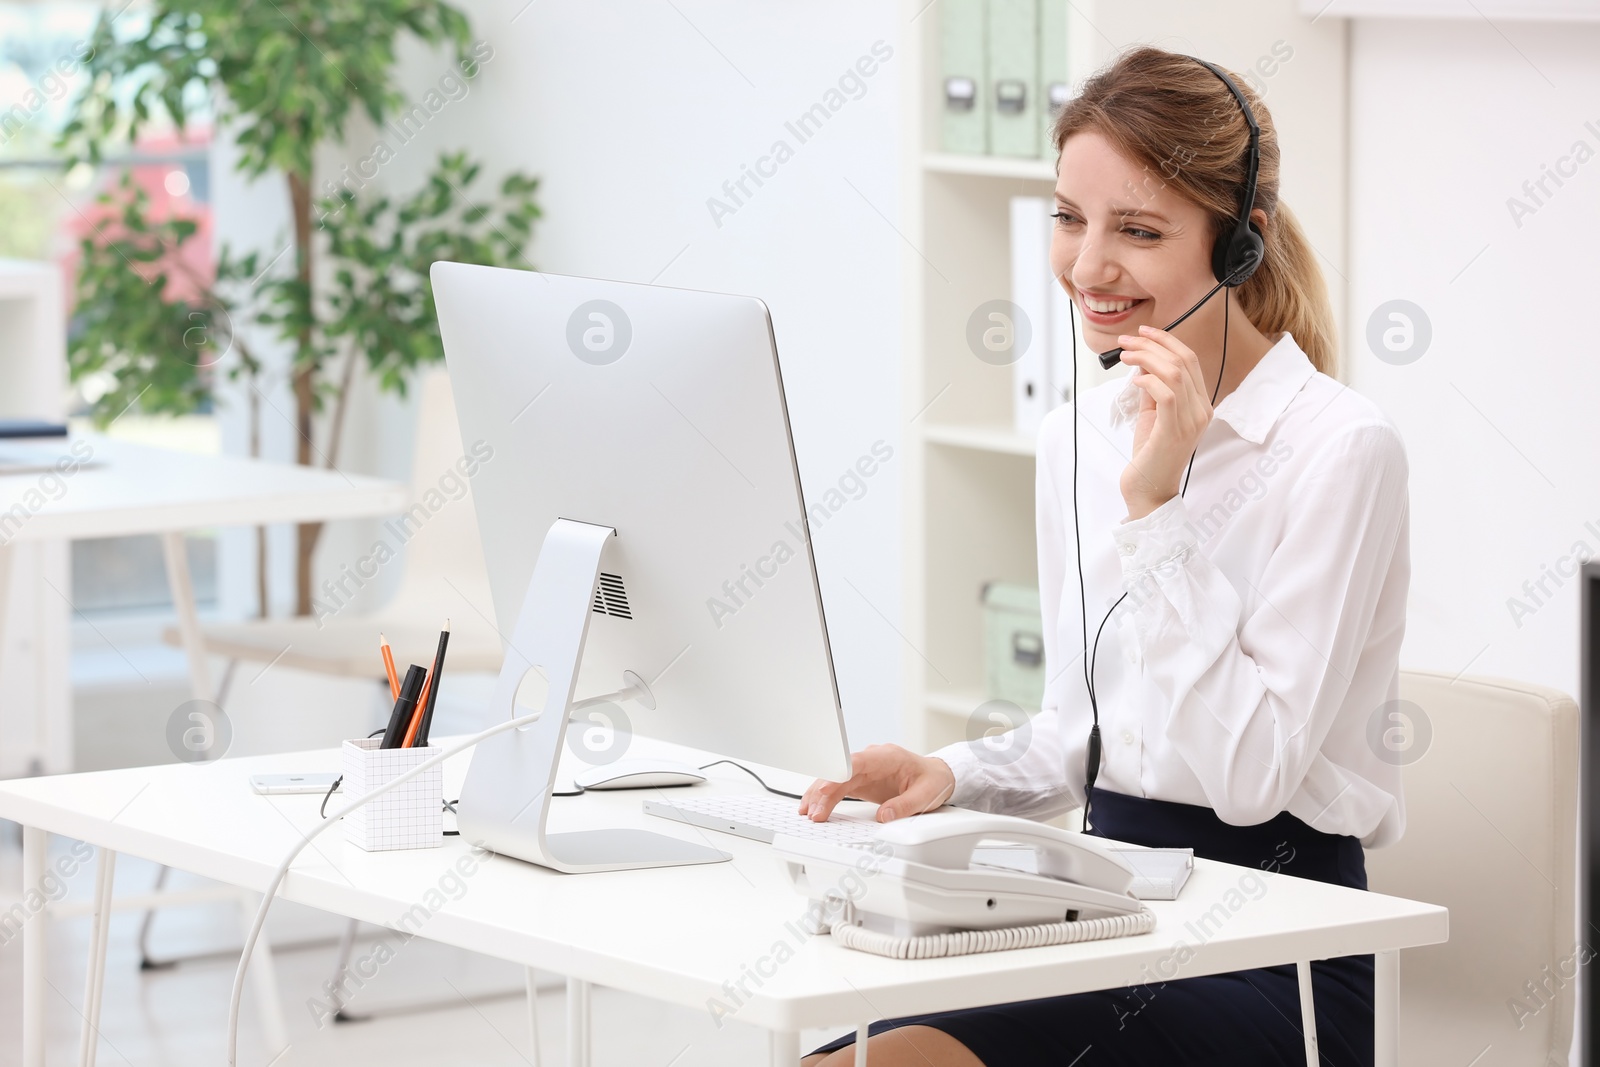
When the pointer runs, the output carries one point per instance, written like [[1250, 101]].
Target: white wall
[[1501, 414], [633, 115]]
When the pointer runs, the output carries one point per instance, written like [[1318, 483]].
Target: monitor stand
[[506, 795]]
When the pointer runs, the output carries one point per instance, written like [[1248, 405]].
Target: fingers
[[1185, 356], [1173, 381], [819, 800], [824, 796], [924, 794], [1159, 353], [820, 789], [878, 772], [1158, 389]]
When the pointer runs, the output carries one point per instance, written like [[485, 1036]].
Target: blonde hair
[[1178, 120]]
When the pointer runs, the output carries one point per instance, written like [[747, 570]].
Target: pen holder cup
[[409, 816]]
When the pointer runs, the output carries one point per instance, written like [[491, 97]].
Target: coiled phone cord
[[965, 942]]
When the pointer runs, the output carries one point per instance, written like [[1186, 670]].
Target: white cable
[[962, 942], [625, 693], [283, 868]]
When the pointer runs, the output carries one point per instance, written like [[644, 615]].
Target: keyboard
[[759, 816]]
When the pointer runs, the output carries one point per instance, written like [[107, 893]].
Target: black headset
[[1237, 253], [1239, 249]]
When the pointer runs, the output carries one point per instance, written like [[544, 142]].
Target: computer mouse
[[638, 774]]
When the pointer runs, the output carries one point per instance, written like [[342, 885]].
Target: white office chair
[[444, 576], [1491, 834]]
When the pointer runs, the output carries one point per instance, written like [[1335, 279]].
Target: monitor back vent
[[610, 598]]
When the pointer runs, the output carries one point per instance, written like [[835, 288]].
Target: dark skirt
[[1239, 1019]]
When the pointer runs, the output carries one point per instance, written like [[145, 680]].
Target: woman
[[1258, 621]]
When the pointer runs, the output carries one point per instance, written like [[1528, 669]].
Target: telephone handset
[[917, 877]]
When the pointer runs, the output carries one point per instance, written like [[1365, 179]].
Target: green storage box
[[964, 76], [1013, 29], [1013, 636]]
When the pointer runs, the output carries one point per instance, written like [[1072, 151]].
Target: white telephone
[[918, 878]]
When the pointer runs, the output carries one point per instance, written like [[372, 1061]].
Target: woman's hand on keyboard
[[898, 780]]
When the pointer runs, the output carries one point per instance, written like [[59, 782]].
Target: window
[[46, 209]]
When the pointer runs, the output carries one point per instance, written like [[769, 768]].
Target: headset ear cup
[[1237, 256], [1257, 251]]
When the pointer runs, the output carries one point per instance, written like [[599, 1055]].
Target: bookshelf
[[969, 479]]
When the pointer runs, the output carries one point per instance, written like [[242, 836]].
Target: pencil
[[388, 666], [433, 691], [416, 715]]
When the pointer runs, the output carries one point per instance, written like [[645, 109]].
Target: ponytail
[[1288, 292]]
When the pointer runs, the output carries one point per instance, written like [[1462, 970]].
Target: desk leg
[[5, 589], [182, 587], [37, 725], [533, 1019], [1308, 1013], [1386, 1003], [577, 1023], [6, 553], [94, 981], [34, 843], [783, 1048]]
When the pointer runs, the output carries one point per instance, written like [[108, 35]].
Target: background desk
[[687, 935], [137, 489]]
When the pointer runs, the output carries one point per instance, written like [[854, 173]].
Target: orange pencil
[[388, 666], [416, 716]]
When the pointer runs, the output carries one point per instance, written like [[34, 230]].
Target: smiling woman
[[1149, 176], [1256, 650]]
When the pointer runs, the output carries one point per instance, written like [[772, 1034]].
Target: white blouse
[[1252, 665]]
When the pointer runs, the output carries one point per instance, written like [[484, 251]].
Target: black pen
[[433, 690], [400, 717]]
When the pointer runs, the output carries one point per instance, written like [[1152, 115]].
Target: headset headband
[[1242, 231]]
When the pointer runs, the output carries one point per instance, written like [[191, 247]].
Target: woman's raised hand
[[898, 780], [1173, 412]]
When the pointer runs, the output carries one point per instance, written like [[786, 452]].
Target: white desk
[[137, 489], [680, 934]]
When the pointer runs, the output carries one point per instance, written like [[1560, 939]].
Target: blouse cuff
[[1150, 541], [971, 779]]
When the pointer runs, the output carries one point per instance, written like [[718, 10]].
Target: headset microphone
[[1112, 358]]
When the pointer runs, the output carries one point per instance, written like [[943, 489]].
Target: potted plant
[[283, 78]]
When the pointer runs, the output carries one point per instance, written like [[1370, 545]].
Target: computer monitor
[[645, 534], [1589, 801]]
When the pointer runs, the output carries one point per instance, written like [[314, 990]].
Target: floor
[[430, 1005]]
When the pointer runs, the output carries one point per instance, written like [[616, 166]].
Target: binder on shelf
[[1031, 394], [1054, 84], [1014, 78], [963, 77]]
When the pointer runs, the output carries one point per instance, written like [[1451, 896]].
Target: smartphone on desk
[[292, 783]]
